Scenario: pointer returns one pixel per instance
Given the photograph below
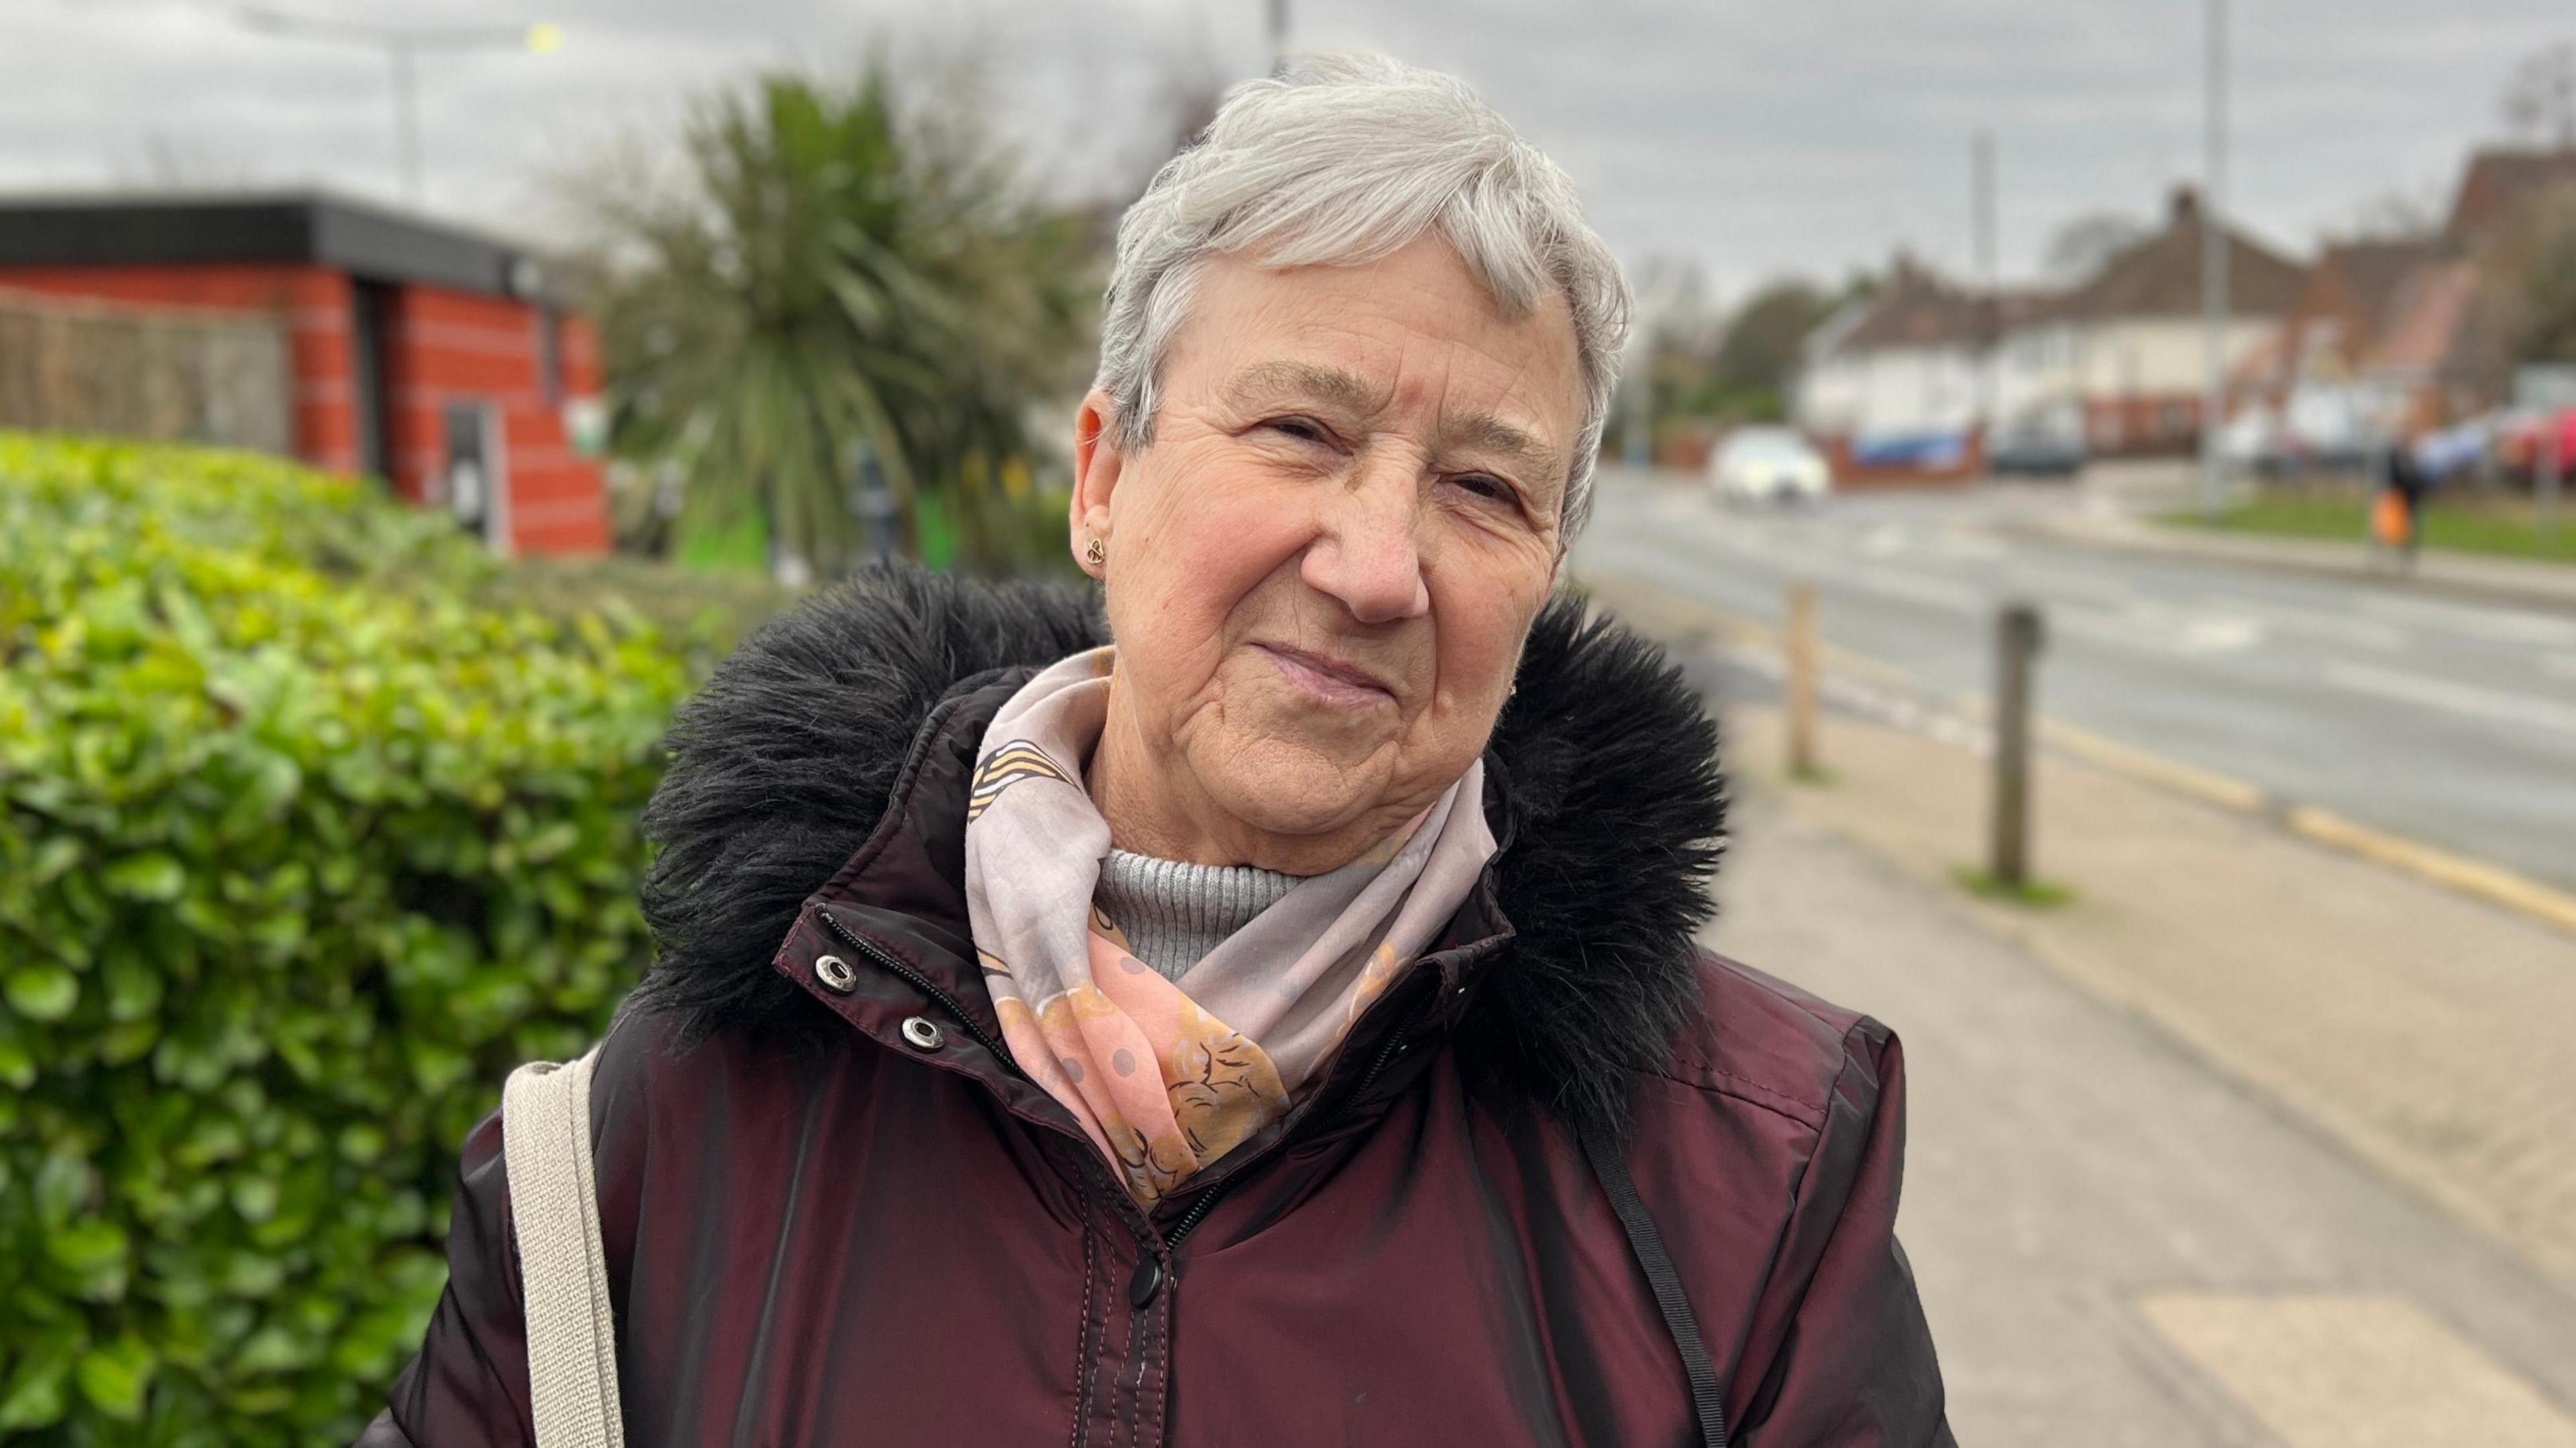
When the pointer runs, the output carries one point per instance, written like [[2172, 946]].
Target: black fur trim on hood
[[1613, 819], [1604, 766]]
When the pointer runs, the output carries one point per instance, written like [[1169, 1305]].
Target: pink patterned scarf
[[1167, 1077]]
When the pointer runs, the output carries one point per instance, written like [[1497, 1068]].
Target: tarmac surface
[[2443, 719]]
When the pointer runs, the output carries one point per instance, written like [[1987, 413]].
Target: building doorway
[[372, 306], [476, 470]]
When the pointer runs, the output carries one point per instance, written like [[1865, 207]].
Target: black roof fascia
[[387, 248], [360, 240]]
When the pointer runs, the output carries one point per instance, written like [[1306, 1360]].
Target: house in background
[[2499, 183], [2126, 350], [1928, 377], [1891, 386], [2365, 351], [438, 359], [2393, 335], [2500, 192]]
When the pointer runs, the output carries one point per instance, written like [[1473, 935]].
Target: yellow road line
[[2209, 786], [2492, 883]]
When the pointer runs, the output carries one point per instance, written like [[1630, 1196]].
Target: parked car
[[2036, 452], [1768, 465], [1935, 451], [2256, 441], [2039, 441], [2518, 439]]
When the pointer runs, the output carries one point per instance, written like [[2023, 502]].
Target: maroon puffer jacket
[[1570, 1182]]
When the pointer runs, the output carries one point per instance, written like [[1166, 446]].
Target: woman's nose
[[1366, 554]]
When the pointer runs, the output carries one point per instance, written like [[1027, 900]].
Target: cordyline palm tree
[[838, 273]]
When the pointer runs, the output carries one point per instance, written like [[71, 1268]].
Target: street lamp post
[[1278, 37], [406, 118], [2213, 271], [402, 46], [1989, 308]]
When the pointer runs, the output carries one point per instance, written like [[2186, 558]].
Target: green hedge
[[301, 848]]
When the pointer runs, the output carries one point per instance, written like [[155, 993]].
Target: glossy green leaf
[[115, 1376], [42, 992], [35, 1395], [91, 1254], [148, 876]]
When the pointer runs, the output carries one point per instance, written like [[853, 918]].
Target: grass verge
[[2500, 526], [2038, 894]]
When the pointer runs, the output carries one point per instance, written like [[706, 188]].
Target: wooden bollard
[[1800, 684], [2017, 642]]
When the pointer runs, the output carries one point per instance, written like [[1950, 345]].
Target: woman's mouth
[[1327, 681]]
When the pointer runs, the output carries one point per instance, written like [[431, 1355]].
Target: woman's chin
[[1302, 808], [1302, 797]]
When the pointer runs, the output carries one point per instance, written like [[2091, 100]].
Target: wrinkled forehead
[[1410, 336]]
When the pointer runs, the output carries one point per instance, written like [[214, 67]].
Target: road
[[2449, 722]]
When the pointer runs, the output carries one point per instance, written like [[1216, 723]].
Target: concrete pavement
[[2425, 1031], [2106, 1229]]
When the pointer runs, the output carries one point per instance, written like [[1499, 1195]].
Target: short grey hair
[[1342, 161]]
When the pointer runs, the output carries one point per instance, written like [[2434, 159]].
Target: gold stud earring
[[1096, 552]]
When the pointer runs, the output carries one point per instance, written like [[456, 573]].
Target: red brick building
[[438, 359]]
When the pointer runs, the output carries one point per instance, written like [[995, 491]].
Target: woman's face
[[1320, 572]]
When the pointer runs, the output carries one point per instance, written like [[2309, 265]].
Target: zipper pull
[[1147, 1281]]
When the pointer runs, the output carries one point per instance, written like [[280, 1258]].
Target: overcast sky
[[1801, 135]]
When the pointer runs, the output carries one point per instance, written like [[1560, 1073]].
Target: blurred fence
[[70, 366]]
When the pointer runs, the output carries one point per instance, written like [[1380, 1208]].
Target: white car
[[1768, 465]]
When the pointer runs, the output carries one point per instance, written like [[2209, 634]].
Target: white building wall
[[2142, 356], [1831, 394], [2038, 372], [2050, 363], [1889, 390]]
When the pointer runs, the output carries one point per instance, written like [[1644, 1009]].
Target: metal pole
[[1982, 184], [873, 505], [1638, 389], [402, 47], [406, 118], [2017, 641], [1801, 680], [2549, 473], [2213, 271], [2383, 477]]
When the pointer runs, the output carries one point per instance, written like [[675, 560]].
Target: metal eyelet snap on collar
[[836, 975], [923, 1032]]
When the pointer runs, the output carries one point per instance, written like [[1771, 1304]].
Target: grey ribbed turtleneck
[[1175, 913]]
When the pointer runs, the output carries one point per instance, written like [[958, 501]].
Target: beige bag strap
[[554, 1205]]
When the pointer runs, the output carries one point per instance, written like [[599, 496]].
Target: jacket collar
[[814, 751]]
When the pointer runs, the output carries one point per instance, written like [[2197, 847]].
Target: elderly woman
[[1268, 1013]]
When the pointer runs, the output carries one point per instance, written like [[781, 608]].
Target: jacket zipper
[[1207, 1201], [1386, 1053], [1154, 1268]]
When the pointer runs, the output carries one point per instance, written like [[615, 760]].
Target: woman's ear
[[1097, 463]]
